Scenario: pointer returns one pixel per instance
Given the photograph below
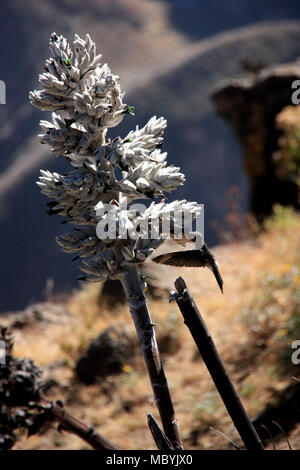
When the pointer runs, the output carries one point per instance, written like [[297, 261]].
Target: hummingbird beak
[[214, 268]]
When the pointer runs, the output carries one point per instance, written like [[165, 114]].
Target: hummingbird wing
[[191, 259], [188, 258]]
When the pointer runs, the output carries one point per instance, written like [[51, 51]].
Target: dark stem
[[215, 366], [159, 437], [134, 291], [71, 424]]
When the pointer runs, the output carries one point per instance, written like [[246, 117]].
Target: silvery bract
[[86, 99]]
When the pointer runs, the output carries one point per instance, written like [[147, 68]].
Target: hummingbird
[[201, 257]]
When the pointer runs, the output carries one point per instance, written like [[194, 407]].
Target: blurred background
[[171, 55], [221, 73]]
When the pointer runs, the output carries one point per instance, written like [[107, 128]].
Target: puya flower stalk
[[111, 235]]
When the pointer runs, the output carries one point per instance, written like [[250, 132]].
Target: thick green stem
[[134, 291]]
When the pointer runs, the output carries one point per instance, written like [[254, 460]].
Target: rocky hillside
[[253, 325]]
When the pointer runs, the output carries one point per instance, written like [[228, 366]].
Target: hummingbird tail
[[217, 275]]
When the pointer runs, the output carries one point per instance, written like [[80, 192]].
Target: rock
[[284, 410], [251, 105], [112, 293], [107, 355], [43, 312]]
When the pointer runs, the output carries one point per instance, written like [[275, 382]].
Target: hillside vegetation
[[253, 324]]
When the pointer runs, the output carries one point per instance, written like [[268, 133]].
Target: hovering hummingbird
[[192, 258]]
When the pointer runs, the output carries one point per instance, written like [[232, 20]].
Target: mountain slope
[[163, 74], [253, 326]]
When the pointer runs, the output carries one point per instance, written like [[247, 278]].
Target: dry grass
[[117, 406]]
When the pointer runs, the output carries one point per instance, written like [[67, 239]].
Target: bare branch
[[73, 425], [214, 363], [159, 437]]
